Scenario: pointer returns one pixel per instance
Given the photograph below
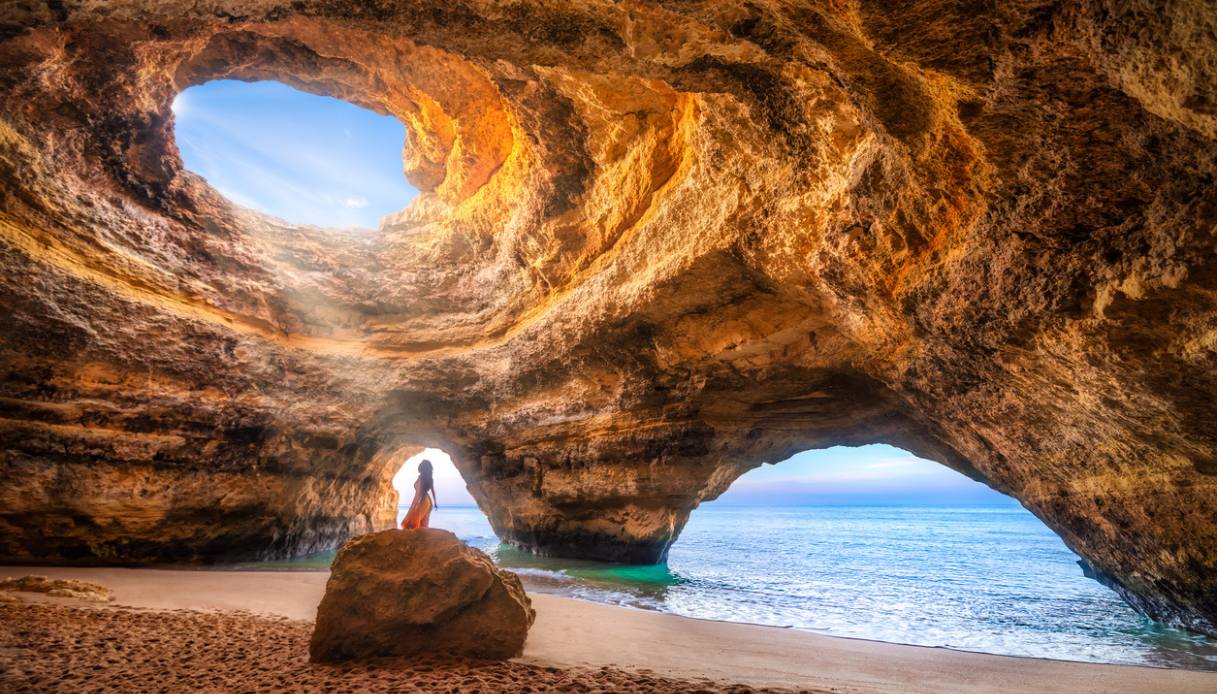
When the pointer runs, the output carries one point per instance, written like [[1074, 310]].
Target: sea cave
[[655, 246]]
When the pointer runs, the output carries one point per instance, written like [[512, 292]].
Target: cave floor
[[203, 627]]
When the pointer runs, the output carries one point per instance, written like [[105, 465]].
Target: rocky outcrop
[[418, 592], [56, 587], [657, 245]]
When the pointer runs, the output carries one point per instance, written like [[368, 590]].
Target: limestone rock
[[57, 587], [418, 592], [657, 245]]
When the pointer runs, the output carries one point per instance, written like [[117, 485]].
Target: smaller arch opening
[[304, 158], [457, 511], [454, 502]]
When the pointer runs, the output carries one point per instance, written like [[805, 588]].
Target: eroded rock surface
[[57, 587], [418, 592], [658, 245]]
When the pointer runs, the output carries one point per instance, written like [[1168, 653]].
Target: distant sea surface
[[988, 579]]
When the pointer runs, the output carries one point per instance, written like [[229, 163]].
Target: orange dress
[[419, 514]]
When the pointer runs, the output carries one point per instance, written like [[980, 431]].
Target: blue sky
[[878, 474], [308, 159], [875, 474]]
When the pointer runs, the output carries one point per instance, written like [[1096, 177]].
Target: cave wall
[[656, 246]]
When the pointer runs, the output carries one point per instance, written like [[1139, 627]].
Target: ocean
[[988, 579]]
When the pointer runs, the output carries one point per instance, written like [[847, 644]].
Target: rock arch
[[656, 246]]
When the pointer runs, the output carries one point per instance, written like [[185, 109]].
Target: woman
[[420, 509]]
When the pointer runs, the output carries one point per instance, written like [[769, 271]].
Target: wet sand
[[249, 631]]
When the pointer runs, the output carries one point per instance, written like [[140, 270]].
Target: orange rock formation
[[419, 593]]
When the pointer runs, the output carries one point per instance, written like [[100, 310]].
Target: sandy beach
[[249, 630]]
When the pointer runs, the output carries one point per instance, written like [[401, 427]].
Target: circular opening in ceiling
[[304, 158]]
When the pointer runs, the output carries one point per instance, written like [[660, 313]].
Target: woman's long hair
[[424, 474]]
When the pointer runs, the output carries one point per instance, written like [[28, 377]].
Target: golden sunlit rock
[[656, 247], [417, 593]]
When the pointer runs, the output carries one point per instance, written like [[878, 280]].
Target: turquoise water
[[989, 579]]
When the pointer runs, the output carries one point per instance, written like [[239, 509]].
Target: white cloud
[[354, 203]]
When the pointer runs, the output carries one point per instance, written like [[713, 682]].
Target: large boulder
[[407, 592]]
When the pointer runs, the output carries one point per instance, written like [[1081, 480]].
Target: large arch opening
[[874, 542]]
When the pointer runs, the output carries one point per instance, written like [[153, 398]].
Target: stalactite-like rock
[[657, 246]]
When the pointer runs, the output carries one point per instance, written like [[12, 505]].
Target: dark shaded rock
[[418, 592]]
